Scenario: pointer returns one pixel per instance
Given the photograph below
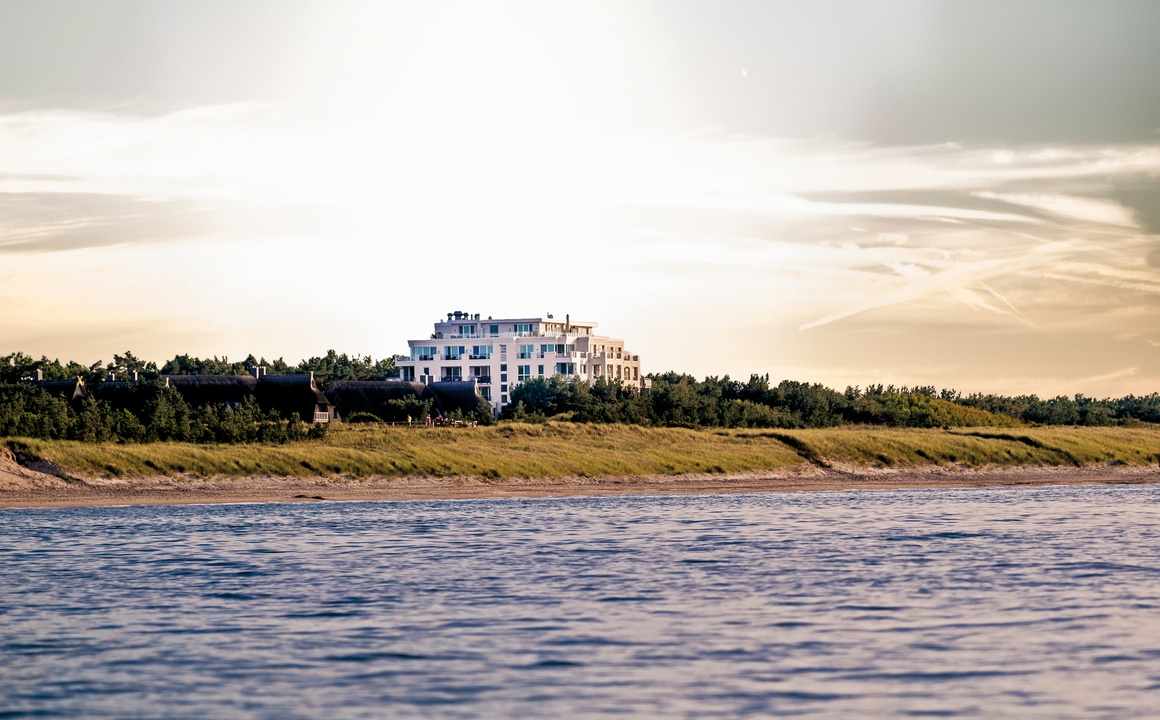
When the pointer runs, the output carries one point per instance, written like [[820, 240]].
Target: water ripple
[[1011, 602]]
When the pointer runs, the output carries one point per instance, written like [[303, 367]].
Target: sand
[[47, 486]]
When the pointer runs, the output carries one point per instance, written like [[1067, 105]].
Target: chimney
[[111, 378], [261, 371], [39, 374], [256, 371], [134, 376], [448, 317]]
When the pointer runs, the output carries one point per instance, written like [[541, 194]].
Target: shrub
[[362, 417]]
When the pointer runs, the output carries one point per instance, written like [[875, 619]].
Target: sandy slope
[[22, 487], [17, 479]]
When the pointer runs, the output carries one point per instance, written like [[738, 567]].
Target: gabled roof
[[201, 390], [291, 394], [450, 396], [351, 396], [71, 389]]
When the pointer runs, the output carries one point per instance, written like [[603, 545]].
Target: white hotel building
[[498, 354]]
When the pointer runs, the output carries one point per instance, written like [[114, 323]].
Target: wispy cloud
[[947, 220], [1108, 377]]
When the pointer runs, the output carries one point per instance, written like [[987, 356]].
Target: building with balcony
[[499, 354]]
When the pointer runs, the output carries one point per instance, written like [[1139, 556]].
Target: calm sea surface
[[1028, 603]]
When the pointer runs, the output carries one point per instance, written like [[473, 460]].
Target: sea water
[[992, 603]]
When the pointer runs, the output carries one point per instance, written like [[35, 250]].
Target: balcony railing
[[482, 379], [321, 417]]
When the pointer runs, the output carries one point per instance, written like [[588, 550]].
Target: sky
[[958, 194]]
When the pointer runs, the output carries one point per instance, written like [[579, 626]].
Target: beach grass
[[980, 447], [560, 449]]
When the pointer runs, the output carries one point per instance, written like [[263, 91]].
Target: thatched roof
[[69, 389], [351, 396], [110, 389], [451, 396], [201, 390], [291, 394]]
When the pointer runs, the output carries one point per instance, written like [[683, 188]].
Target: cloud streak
[[816, 234]]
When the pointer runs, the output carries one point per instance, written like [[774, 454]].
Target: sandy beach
[[24, 487]]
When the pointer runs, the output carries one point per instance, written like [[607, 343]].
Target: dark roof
[[201, 390], [110, 389], [291, 393], [70, 389], [463, 395], [351, 396]]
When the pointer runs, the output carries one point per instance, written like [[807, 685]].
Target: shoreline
[[26, 488]]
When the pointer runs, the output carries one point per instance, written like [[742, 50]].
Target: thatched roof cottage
[[71, 390], [293, 394], [351, 396], [369, 396]]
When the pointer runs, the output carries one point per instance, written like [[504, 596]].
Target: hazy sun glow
[[727, 206]]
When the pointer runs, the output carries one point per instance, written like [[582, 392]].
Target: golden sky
[[956, 194]]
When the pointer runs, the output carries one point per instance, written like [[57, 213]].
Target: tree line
[[679, 400], [327, 368], [147, 411]]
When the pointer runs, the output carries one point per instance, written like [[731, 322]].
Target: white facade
[[500, 353]]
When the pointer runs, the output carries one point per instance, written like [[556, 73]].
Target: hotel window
[[636, 373], [503, 388], [468, 330], [560, 349], [526, 351], [547, 348], [453, 352], [453, 373], [494, 330], [566, 368], [541, 373], [407, 373], [503, 376], [523, 372], [485, 392], [423, 353], [503, 399], [480, 351]]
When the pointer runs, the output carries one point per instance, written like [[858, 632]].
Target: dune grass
[[980, 447], [509, 450], [558, 449]]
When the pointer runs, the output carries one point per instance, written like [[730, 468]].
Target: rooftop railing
[[512, 335]]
